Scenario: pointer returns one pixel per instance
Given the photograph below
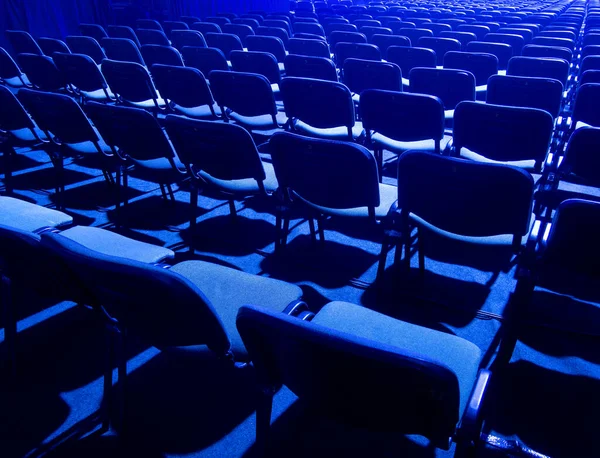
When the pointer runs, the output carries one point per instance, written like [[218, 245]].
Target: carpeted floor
[[184, 403]]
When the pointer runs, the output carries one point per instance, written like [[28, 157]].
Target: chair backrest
[[437, 28], [248, 94], [94, 31], [132, 130], [322, 365], [503, 133], [12, 116], [206, 27], [572, 245], [440, 46], [122, 49], [129, 81], [122, 31], [344, 27], [367, 74], [184, 86], [58, 115], [481, 65], [591, 39], [42, 72], [169, 26], [86, 45], [308, 27], [527, 34], [463, 37], [148, 24], [554, 41], [409, 58], [370, 31], [273, 45], [414, 34], [585, 108], [242, 31], [547, 51], [345, 37], [263, 63], [278, 24], [309, 168], [190, 20], [80, 71], [157, 54], [181, 38], [226, 42], [516, 42], [449, 85], [152, 37], [312, 48], [275, 32], [581, 158], [402, 116], [542, 67], [23, 43], [362, 51], [502, 51], [204, 59], [519, 91], [383, 42], [479, 30], [51, 45], [473, 199], [568, 34], [590, 50], [221, 21], [589, 76], [224, 151], [154, 303], [310, 67], [251, 22], [8, 67], [590, 63]]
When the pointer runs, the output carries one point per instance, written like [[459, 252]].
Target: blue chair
[[186, 91], [204, 59], [354, 365], [148, 24], [42, 72], [202, 147], [122, 50], [262, 63], [23, 43], [320, 108], [554, 41], [481, 65], [94, 31], [273, 32], [502, 51], [51, 45], [383, 42], [360, 75], [440, 46], [165, 55], [463, 37], [220, 21], [226, 42], [501, 134], [240, 30], [479, 31], [339, 27], [278, 24], [548, 51], [516, 42], [152, 37], [363, 51], [345, 37], [84, 76], [88, 46], [10, 73], [272, 45], [170, 26], [369, 32], [191, 20], [589, 76], [206, 27], [300, 66], [409, 58], [541, 67], [437, 28], [414, 34], [181, 38], [121, 31], [308, 27], [311, 48], [251, 22]]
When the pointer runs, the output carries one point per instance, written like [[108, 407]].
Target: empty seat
[[240, 30], [440, 46], [42, 72], [148, 24], [308, 27], [226, 42], [181, 38], [383, 42], [204, 59], [23, 43], [10, 73], [345, 37], [585, 112], [157, 54], [502, 51], [547, 51], [275, 32], [206, 27], [313, 48], [463, 37], [409, 58], [310, 67], [51, 45], [360, 75], [169, 26], [363, 51], [481, 65], [271, 45], [82, 73], [94, 31], [261, 63], [86, 45], [121, 31], [543, 67], [123, 50], [152, 37]]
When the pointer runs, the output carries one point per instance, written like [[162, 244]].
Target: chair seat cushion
[[147, 104], [30, 217], [26, 135], [197, 112], [468, 154], [160, 170], [459, 355], [99, 95], [89, 147], [388, 194], [113, 244], [259, 122], [448, 115], [17, 82], [334, 133], [245, 186], [398, 147], [228, 289]]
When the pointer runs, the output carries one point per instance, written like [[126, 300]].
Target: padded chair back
[[190, 20], [157, 54], [310, 67], [274, 32], [88, 46], [590, 50], [591, 39], [567, 34], [224, 151], [308, 27], [571, 244], [206, 27], [251, 22], [414, 34], [204, 59], [310, 169], [8, 67], [450, 86], [80, 71], [554, 41], [481, 65], [362, 51], [312, 48], [589, 76], [169, 26], [130, 81], [437, 28], [343, 27], [154, 303], [383, 42], [503, 133], [148, 24], [132, 130], [122, 31], [94, 31], [440, 46], [516, 42], [547, 51], [42, 72], [23, 43], [590, 63], [272, 45], [247, 94], [51, 45], [409, 58], [502, 51], [123, 50], [582, 159], [12, 115], [226, 42], [541, 67], [322, 366], [463, 37], [367, 74], [525, 33], [184, 86], [181, 38], [240, 30], [370, 31], [472, 198], [319, 103], [401, 116], [58, 115], [519, 91], [152, 37], [346, 37], [278, 24], [262, 63]]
